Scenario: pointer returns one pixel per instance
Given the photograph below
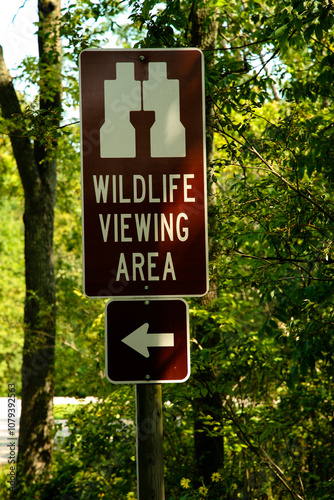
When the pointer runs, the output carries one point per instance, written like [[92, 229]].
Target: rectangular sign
[[143, 173], [147, 341]]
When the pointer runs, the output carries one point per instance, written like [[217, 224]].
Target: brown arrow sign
[[147, 341]]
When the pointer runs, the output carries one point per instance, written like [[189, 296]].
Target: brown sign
[[147, 341], [143, 173]]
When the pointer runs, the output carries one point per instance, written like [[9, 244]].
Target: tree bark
[[209, 450], [36, 162]]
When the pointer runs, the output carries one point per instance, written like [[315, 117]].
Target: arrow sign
[[134, 355], [140, 340]]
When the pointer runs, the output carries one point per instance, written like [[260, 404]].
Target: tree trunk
[[209, 450], [37, 167]]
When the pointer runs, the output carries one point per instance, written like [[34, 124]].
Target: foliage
[[264, 345], [80, 339], [97, 460], [11, 245], [271, 243], [12, 272]]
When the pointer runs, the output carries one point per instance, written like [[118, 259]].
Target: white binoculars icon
[[158, 94]]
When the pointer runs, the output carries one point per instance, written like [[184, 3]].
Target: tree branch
[[11, 111], [283, 260], [25, 1], [254, 151], [259, 451]]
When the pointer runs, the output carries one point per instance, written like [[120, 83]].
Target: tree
[[35, 155], [34, 132]]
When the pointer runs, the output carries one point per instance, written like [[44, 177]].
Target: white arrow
[[140, 340]]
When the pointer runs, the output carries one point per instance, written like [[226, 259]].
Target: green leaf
[[318, 32], [282, 30]]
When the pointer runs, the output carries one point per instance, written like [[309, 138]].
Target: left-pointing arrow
[[140, 340]]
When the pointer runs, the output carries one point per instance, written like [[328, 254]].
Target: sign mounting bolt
[[141, 58]]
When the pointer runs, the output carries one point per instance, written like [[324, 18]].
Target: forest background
[[256, 418]]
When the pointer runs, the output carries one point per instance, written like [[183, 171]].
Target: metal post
[[150, 473]]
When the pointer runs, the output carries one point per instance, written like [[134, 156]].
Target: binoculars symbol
[[158, 94]]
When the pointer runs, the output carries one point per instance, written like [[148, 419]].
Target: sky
[[18, 39], [17, 30]]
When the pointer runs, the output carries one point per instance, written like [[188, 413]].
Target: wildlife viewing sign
[[143, 173]]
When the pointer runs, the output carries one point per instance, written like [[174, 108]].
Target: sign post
[[150, 474], [147, 343], [144, 215]]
